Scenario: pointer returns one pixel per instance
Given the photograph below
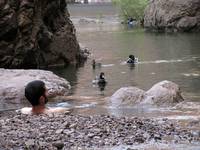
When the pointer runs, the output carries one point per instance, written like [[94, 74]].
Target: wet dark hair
[[34, 90]]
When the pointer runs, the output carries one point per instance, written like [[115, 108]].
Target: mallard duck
[[132, 59], [99, 80], [102, 79]]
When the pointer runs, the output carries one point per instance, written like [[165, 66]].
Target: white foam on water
[[195, 74], [166, 61], [186, 74], [108, 65], [188, 117], [161, 61], [191, 74], [63, 104], [87, 105], [123, 63]]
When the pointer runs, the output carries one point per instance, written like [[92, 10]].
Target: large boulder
[[14, 81], [36, 34], [127, 96], [164, 93], [173, 15]]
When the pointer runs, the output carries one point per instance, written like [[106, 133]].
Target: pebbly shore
[[67, 131]]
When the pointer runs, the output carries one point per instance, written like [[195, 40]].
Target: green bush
[[131, 8]]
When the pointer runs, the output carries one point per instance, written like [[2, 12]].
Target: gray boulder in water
[[173, 15], [127, 96], [13, 83], [162, 93]]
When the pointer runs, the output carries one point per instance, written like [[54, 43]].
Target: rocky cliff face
[[36, 33], [173, 15]]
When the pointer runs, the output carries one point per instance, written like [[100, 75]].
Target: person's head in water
[[35, 92]]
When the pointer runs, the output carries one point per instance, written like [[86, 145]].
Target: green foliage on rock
[[131, 8]]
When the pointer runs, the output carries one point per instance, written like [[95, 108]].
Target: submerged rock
[[35, 34], [162, 93], [173, 15], [13, 83]]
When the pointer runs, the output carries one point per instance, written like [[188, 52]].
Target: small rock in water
[[58, 144]]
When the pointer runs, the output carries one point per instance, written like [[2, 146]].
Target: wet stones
[[70, 131]]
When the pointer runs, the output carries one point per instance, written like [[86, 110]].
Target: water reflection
[[102, 87], [131, 66], [70, 73]]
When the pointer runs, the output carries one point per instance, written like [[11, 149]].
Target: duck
[[95, 64], [100, 79], [132, 59]]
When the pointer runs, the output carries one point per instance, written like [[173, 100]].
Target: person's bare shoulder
[[25, 110], [28, 110]]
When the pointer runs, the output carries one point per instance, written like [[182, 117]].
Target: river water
[[162, 56], [174, 57]]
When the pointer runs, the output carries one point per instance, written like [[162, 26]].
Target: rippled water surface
[[174, 57]]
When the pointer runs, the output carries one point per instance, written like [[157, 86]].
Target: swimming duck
[[100, 80], [94, 64], [132, 59]]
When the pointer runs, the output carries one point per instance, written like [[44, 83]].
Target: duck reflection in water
[[131, 66]]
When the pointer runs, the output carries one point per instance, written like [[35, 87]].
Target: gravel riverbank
[[66, 131]]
